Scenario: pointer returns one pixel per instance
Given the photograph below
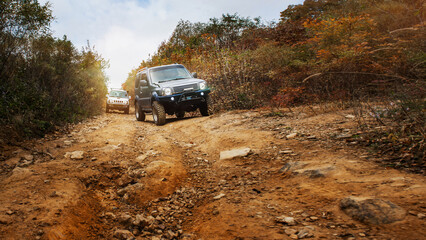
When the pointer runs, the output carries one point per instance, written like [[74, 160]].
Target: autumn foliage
[[343, 49], [319, 51], [44, 81]]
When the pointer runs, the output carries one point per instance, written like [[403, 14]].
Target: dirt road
[[115, 178]]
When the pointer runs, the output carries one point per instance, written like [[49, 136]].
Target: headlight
[[167, 91], [203, 85]]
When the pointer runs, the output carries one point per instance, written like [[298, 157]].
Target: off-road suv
[[118, 99], [170, 89]]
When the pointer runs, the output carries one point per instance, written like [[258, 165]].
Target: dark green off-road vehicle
[[172, 90]]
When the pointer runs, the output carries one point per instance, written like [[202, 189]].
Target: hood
[[182, 82]]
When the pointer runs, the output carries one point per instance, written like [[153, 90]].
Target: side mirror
[[194, 75], [143, 83], [130, 97], [106, 95]]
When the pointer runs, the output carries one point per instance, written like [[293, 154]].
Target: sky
[[125, 32]]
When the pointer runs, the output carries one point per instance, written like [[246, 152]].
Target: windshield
[[169, 73], [119, 94]]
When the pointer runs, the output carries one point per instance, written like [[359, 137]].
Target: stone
[[76, 155], [304, 233], [219, 196], [421, 215], [142, 222], [141, 158], [53, 194], [109, 215], [125, 219], [286, 152], [123, 234], [372, 210], [290, 231], [67, 143], [29, 157], [238, 152], [344, 136], [25, 163], [286, 220], [4, 220], [291, 135], [320, 171], [350, 116], [293, 236], [131, 189], [124, 181]]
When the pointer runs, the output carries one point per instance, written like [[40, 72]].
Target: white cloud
[[126, 31]]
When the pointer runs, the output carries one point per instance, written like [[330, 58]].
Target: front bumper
[[117, 106], [186, 101], [193, 96]]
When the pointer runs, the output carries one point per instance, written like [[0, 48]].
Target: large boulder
[[372, 210]]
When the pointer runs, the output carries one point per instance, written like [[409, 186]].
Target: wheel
[[140, 116], [107, 109], [180, 114], [158, 113], [206, 108], [126, 111]]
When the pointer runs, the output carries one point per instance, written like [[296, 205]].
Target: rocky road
[[234, 175]]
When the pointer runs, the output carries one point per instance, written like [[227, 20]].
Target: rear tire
[[140, 116], [180, 114], [206, 108], [158, 113]]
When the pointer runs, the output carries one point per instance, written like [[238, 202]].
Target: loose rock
[[29, 157], [372, 210], [219, 196], [123, 234], [239, 152], [291, 135], [304, 233], [286, 220], [76, 155]]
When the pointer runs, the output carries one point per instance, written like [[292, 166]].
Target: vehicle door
[[145, 93]]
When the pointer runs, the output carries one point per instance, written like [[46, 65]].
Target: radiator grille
[[186, 88]]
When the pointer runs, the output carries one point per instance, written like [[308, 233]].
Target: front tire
[[158, 113], [206, 108], [140, 116], [107, 109], [126, 111]]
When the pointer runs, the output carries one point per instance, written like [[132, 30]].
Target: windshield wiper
[[178, 78]]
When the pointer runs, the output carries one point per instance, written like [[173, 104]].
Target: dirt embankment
[[115, 178]]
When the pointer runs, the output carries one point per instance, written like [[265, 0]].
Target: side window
[[137, 80], [143, 76]]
